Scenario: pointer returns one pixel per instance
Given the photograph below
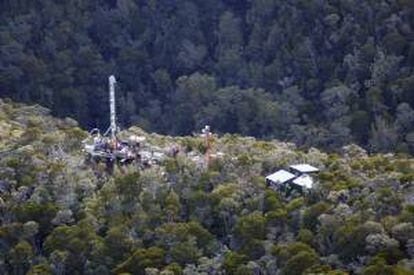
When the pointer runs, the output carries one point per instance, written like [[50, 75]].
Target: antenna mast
[[112, 82], [208, 136]]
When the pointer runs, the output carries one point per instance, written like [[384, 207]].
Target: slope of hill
[[317, 73], [58, 215]]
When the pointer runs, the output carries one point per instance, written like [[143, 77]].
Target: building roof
[[281, 176], [304, 168], [305, 181]]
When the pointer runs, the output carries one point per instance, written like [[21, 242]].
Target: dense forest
[[329, 83], [177, 217], [317, 73]]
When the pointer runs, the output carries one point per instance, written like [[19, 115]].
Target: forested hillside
[[320, 73], [59, 216]]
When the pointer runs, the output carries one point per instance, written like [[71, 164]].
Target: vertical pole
[[112, 82], [208, 137]]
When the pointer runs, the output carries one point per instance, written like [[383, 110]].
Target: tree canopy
[[319, 73]]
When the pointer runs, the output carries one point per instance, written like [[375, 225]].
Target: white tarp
[[305, 181], [304, 168], [280, 176]]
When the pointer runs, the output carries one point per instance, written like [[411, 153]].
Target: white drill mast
[[112, 82]]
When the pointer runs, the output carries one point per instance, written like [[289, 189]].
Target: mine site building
[[300, 169], [280, 179], [297, 178]]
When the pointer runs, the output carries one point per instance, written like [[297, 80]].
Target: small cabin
[[279, 179], [297, 178], [300, 169]]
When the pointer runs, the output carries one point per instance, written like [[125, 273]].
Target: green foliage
[[232, 261], [378, 266], [251, 226], [117, 243], [186, 252], [21, 256], [310, 217], [183, 231], [295, 204], [299, 263], [175, 268], [285, 252], [128, 185], [40, 269], [338, 180], [141, 259], [171, 166], [172, 206], [10, 234], [407, 214], [272, 201], [192, 144], [352, 242], [244, 160], [275, 217], [76, 135], [305, 236], [78, 243], [41, 213], [407, 178], [60, 216], [32, 134], [253, 248], [295, 258], [266, 75]]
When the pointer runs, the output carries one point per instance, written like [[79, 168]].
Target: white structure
[[304, 181], [303, 168], [280, 177], [205, 131], [298, 178], [112, 82]]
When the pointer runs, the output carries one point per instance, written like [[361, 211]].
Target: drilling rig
[[107, 148]]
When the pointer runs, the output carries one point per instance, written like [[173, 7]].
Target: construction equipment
[[107, 148]]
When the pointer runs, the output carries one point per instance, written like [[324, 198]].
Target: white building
[[304, 182], [298, 178], [280, 177], [303, 169]]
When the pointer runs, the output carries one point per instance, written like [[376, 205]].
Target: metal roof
[[304, 168], [281, 176], [304, 181]]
